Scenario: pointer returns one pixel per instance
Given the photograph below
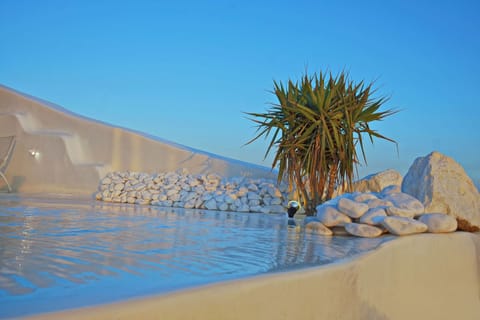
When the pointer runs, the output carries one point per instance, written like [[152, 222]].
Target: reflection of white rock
[[442, 185], [439, 222], [331, 217], [317, 228], [363, 230], [403, 226], [351, 208]]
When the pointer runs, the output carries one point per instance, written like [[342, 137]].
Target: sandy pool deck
[[414, 277]]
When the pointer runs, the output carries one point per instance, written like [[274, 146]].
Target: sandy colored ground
[[75, 152], [415, 277]]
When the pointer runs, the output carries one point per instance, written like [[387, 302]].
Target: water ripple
[[80, 253]]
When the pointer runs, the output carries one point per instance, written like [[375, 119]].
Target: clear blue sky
[[186, 70]]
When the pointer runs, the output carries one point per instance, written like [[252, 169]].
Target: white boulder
[[405, 205], [352, 208], [371, 217], [401, 226], [378, 181], [439, 222], [331, 217], [210, 204], [374, 203], [442, 185], [363, 230]]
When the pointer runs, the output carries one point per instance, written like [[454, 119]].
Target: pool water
[[64, 253]]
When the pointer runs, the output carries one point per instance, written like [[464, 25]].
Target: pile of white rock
[[436, 195], [371, 214], [204, 191]]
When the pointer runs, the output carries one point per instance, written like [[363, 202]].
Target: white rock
[[275, 208], [223, 206], [439, 222], [230, 198], [175, 197], [255, 208], [211, 204], [364, 197], [399, 212], [219, 198], [166, 203], [442, 186], [265, 209], [119, 186], [403, 226], [139, 186], [363, 230], [266, 200], [146, 195], [371, 216], [106, 180], [375, 203], [407, 205], [276, 201], [253, 203], [142, 201], [351, 208], [378, 181], [331, 217], [243, 208], [391, 189], [317, 228], [178, 204], [253, 196], [199, 204]]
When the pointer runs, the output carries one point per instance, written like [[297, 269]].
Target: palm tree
[[317, 126]]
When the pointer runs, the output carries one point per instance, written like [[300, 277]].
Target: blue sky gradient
[[186, 70]]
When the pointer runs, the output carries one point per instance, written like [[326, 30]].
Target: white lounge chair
[[7, 145]]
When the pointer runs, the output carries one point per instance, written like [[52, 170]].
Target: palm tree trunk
[[332, 174]]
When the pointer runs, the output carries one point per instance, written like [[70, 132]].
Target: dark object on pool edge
[[293, 207]]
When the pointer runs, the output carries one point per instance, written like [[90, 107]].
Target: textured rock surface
[[378, 181], [439, 222], [401, 226], [372, 215], [363, 230], [331, 217], [404, 205], [442, 185], [351, 208], [182, 190]]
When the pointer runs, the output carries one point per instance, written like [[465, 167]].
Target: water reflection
[[88, 252]]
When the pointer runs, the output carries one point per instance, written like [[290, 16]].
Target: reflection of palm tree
[[316, 126]]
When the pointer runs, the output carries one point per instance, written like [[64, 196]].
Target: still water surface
[[58, 254]]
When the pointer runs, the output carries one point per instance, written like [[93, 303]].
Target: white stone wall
[[183, 190]]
